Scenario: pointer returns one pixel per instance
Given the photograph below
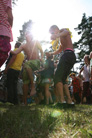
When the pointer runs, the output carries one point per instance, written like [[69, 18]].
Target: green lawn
[[41, 121]]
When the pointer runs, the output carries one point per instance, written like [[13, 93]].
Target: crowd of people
[[22, 68]]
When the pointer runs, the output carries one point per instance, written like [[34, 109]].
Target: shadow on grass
[[41, 121], [26, 122]]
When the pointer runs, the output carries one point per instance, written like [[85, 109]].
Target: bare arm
[[10, 62], [18, 50], [57, 51], [91, 74], [81, 70], [62, 33], [10, 15], [80, 80]]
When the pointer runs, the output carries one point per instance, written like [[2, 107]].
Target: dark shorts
[[66, 62], [5, 48]]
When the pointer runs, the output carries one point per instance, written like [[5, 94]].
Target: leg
[[15, 91], [10, 88], [66, 90], [48, 94], [59, 89], [56, 95], [25, 93], [30, 74]]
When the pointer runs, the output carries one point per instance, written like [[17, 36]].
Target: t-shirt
[[76, 85], [5, 27], [90, 65], [17, 64], [86, 73]]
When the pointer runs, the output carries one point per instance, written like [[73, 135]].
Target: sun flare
[[40, 32]]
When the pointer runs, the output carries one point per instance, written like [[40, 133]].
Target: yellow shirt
[[17, 64]]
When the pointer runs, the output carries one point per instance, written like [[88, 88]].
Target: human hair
[[53, 27], [72, 74], [17, 44], [87, 57]]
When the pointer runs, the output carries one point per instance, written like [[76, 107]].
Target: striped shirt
[[5, 27]]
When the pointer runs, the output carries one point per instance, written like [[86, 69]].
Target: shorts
[[34, 65], [64, 66], [47, 81], [5, 48]]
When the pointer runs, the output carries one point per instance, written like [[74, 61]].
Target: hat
[[72, 74]]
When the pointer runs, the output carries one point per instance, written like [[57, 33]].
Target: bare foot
[[69, 101], [33, 92]]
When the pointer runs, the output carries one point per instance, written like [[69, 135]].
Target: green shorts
[[34, 65], [47, 81]]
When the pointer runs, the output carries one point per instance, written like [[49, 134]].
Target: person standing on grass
[[86, 79], [66, 61], [13, 69], [6, 22], [77, 87], [34, 53], [47, 78]]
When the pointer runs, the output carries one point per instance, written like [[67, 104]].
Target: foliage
[[38, 121], [85, 42], [26, 26], [14, 2]]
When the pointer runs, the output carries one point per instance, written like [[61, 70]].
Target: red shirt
[[76, 85], [5, 27]]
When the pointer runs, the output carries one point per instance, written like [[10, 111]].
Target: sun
[[40, 32]]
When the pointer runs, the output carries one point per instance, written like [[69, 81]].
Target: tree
[[85, 42], [14, 2], [26, 26]]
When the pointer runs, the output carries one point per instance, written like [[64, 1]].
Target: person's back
[[6, 21]]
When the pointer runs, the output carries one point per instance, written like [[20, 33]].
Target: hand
[[48, 54], [5, 71], [53, 37]]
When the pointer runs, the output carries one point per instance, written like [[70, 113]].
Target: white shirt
[[86, 73]]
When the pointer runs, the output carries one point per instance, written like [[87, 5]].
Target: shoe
[[71, 104]]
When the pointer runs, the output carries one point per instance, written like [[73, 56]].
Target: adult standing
[[86, 79], [66, 61], [33, 50], [6, 22], [13, 69]]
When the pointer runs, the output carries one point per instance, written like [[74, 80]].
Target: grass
[[41, 121]]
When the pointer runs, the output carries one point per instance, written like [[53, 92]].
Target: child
[[77, 87], [47, 77]]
